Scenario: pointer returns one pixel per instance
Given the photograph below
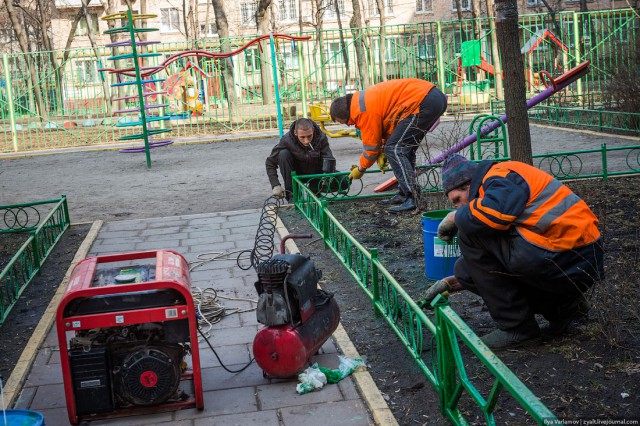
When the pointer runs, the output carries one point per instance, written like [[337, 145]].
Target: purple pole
[[548, 92]]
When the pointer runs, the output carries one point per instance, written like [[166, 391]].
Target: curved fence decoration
[[18, 218], [43, 236], [434, 342]]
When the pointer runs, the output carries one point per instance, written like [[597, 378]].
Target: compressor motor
[[298, 317]]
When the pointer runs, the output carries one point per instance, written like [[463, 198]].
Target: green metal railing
[[44, 233], [445, 366], [596, 119], [77, 110]]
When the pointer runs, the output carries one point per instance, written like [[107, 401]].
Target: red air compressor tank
[[298, 316], [284, 351]]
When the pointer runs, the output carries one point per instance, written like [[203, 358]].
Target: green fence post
[[12, 117], [65, 208], [375, 288], [303, 80], [576, 43], [34, 249], [440, 59], [604, 161], [276, 88], [325, 223], [445, 355]]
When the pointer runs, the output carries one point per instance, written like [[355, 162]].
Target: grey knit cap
[[456, 171]]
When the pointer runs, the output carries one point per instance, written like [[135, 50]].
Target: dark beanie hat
[[456, 171]]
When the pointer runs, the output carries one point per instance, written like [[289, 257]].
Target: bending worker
[[392, 116], [529, 246], [302, 149]]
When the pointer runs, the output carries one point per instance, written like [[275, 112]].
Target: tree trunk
[[356, 30], [23, 42], [105, 84], [227, 68], [383, 40], [262, 23], [343, 46], [45, 25], [515, 90], [495, 54]]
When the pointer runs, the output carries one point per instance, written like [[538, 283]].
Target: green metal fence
[[44, 230], [444, 365], [67, 102]]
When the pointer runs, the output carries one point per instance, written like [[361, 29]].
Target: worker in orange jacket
[[393, 118], [529, 246]]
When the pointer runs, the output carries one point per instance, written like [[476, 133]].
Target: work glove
[[382, 161], [355, 172], [447, 229], [440, 286], [278, 191]]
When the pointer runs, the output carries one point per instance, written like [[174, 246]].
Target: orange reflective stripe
[[482, 218], [488, 210]]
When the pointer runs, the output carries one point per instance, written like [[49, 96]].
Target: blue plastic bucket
[[439, 257], [22, 418]]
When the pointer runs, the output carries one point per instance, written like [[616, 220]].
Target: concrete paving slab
[[240, 397]]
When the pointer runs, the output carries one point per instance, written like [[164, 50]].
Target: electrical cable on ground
[[220, 361], [210, 311]]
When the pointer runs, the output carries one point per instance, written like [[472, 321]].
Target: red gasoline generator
[[126, 329], [298, 316]]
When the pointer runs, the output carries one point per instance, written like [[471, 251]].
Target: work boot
[[396, 199], [408, 205], [578, 310], [509, 339]]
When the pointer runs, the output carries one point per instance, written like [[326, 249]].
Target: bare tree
[[222, 26], [263, 17], [356, 30], [343, 46], [23, 42], [515, 90], [495, 55], [105, 85], [383, 39]]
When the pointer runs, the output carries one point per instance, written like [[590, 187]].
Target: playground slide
[[553, 87]]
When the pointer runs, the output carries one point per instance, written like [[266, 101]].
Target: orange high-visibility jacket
[[553, 218], [377, 111]]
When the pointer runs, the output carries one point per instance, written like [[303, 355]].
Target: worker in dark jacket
[[529, 246], [393, 118], [303, 149]]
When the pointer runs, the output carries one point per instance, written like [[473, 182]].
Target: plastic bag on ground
[[310, 379], [346, 367]]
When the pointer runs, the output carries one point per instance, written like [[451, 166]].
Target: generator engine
[[136, 365], [298, 317], [127, 333]]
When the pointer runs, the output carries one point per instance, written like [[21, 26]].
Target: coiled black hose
[[264, 242]]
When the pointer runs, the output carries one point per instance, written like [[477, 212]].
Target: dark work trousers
[[517, 280], [401, 147]]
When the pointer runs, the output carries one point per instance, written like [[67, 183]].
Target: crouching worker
[[303, 149], [529, 246]]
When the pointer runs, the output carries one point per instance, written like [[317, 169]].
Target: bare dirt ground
[[591, 373], [586, 374]]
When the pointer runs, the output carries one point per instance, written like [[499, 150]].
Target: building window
[[426, 47], [248, 14], [290, 57], [170, 20], [329, 7], [83, 28], [252, 59], [390, 50], [208, 30], [388, 7], [288, 10], [334, 54], [464, 4], [532, 3], [424, 6], [86, 71]]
